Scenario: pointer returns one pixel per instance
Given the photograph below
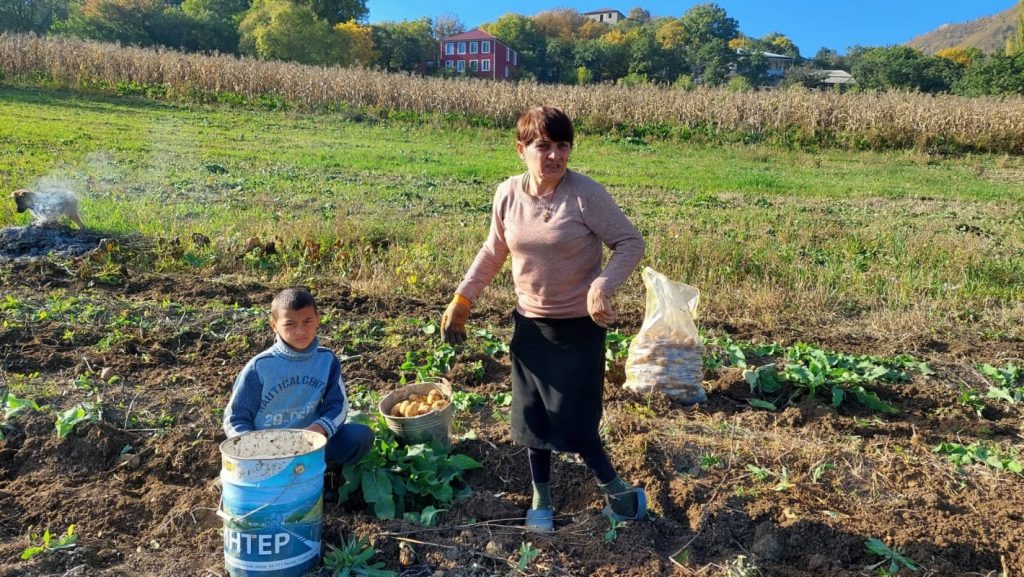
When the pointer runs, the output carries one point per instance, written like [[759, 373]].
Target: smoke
[[50, 196]]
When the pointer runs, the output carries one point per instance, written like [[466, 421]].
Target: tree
[[216, 22], [447, 25], [282, 30], [407, 45], [707, 22], [561, 23], [336, 11], [520, 33], [358, 42], [639, 15], [32, 15], [997, 74], [828, 59], [902, 67], [960, 55], [780, 44], [124, 21]]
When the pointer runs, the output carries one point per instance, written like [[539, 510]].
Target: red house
[[479, 54]]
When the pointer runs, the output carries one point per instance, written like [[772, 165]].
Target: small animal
[[48, 207]]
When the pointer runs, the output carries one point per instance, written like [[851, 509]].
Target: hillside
[[988, 33]]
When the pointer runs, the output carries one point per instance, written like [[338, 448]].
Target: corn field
[[797, 116]]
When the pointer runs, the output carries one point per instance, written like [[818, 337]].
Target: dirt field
[[149, 509]]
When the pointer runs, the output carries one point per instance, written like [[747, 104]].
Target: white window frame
[[449, 63], [462, 48], [515, 58], [460, 66], [506, 71], [474, 47], [485, 65], [508, 54], [474, 65], [485, 47], [449, 48]]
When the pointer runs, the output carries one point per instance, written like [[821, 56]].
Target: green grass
[[770, 235]]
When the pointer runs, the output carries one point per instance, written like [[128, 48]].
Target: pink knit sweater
[[555, 262]]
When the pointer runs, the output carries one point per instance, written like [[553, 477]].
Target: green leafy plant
[[616, 346], [526, 556], [490, 344], [893, 556], [428, 365], [502, 399], [983, 453], [742, 567], [13, 405], [808, 371], [1007, 382], [352, 558], [464, 401], [48, 544], [406, 481], [969, 397], [83, 412], [612, 533], [820, 469]]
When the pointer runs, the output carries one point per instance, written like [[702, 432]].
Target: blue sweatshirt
[[285, 388]]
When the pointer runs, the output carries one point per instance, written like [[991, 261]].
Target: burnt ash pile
[[32, 242]]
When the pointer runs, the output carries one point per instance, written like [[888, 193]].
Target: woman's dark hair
[[292, 299], [544, 122]]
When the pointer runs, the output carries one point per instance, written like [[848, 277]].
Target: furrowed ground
[[895, 278]]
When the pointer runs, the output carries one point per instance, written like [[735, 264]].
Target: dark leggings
[[597, 460]]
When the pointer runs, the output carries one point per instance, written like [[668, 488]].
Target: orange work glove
[[599, 305], [453, 321]]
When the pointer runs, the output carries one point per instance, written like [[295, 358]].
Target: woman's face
[[544, 158]]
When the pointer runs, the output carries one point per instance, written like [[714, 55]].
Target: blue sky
[[810, 24]]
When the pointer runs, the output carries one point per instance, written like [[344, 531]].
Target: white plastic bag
[[667, 354]]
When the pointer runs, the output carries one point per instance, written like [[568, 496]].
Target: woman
[[553, 222]]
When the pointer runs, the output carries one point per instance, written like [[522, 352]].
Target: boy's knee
[[362, 436]]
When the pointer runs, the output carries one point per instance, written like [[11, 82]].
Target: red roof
[[475, 34]]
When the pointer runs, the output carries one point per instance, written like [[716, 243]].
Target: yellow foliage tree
[[358, 40], [957, 54]]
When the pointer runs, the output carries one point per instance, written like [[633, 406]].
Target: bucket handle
[[231, 518]]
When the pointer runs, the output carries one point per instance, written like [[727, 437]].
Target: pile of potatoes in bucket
[[417, 405]]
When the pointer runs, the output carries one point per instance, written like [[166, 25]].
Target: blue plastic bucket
[[272, 485]]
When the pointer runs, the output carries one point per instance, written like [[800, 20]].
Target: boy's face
[[296, 328]]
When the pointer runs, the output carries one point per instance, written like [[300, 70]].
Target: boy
[[297, 384]]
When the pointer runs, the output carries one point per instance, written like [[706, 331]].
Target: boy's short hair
[[544, 121], [292, 299]]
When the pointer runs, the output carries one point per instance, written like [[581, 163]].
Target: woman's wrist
[[462, 300]]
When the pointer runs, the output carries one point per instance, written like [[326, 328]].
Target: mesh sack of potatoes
[[667, 355]]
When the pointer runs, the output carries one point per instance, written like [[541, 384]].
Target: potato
[[410, 410], [415, 397], [423, 409], [433, 395], [399, 409], [439, 404]]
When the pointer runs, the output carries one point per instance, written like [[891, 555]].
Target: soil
[[140, 485]]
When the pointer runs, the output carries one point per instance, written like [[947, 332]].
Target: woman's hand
[[316, 428], [453, 321], [599, 305]]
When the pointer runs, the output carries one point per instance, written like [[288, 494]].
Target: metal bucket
[[434, 425], [272, 485]]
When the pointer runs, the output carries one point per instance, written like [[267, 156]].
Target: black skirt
[[557, 383]]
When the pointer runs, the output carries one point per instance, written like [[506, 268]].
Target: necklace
[[546, 200]]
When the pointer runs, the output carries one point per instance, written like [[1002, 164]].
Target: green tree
[[124, 21], [447, 25], [890, 67], [780, 44], [520, 33], [32, 15], [282, 30], [405, 46], [336, 11], [708, 30], [997, 74], [216, 22]]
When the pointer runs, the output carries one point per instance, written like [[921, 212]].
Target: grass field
[[824, 448], [770, 235]]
